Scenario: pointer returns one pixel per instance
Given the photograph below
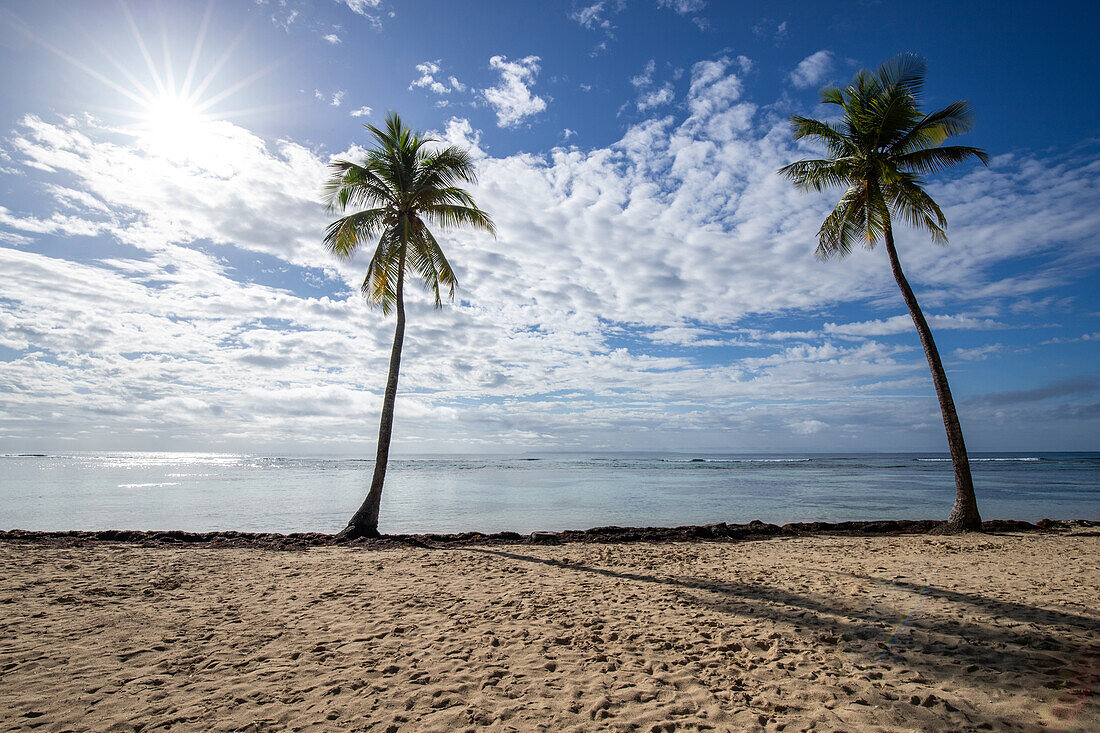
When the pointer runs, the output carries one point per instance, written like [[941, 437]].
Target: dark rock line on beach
[[693, 533]]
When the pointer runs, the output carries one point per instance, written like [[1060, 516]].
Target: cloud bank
[[657, 293]]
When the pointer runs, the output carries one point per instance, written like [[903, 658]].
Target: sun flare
[[172, 117], [172, 114], [173, 125]]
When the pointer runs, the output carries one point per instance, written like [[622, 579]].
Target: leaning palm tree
[[878, 151], [401, 186]]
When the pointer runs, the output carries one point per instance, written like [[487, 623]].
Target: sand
[[984, 632]]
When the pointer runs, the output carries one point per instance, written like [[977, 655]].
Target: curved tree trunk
[[964, 515], [364, 523]]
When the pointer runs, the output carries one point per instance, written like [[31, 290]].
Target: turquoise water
[[200, 492]]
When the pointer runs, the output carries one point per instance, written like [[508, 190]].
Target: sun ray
[[145, 92], [91, 72], [243, 83], [210, 75], [261, 109], [166, 51], [144, 50], [200, 38]]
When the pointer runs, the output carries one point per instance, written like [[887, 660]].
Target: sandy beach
[[981, 632]]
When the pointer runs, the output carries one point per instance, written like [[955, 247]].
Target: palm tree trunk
[[964, 515], [364, 523]]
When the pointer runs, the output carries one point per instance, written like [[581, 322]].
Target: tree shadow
[[939, 645], [1021, 612]]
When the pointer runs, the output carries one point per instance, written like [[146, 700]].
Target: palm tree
[[401, 186], [879, 150]]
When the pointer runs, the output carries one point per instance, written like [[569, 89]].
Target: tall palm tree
[[401, 186], [878, 151]]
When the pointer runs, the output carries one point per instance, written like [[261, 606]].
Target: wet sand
[[981, 632]]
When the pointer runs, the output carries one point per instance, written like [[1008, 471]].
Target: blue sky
[[652, 286]]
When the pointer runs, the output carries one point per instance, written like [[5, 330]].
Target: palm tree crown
[[879, 151], [402, 185]]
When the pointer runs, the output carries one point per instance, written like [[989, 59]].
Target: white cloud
[[613, 265], [646, 77], [461, 133], [232, 188], [650, 97], [688, 7], [683, 7], [979, 353], [680, 335], [655, 98], [361, 112], [812, 70], [372, 10], [595, 15], [332, 38], [427, 80], [362, 7], [904, 324], [284, 18], [1095, 336], [807, 427], [57, 223], [335, 100], [769, 28], [512, 98]]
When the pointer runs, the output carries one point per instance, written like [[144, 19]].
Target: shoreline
[[718, 531]]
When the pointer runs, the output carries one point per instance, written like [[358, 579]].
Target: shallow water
[[200, 492]]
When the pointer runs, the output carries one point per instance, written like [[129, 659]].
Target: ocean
[[214, 491]]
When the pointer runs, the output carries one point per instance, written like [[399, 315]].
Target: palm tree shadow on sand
[[938, 635]]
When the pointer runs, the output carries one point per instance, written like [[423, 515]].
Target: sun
[[172, 114], [174, 117], [173, 125]]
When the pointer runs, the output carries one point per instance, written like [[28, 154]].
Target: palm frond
[[453, 215], [918, 210], [820, 174], [951, 121], [840, 230], [904, 73], [932, 160], [825, 132], [447, 167], [345, 235], [352, 184], [427, 259], [875, 212], [445, 195], [832, 95], [380, 285]]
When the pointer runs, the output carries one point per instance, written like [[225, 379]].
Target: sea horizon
[[1007, 454]]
